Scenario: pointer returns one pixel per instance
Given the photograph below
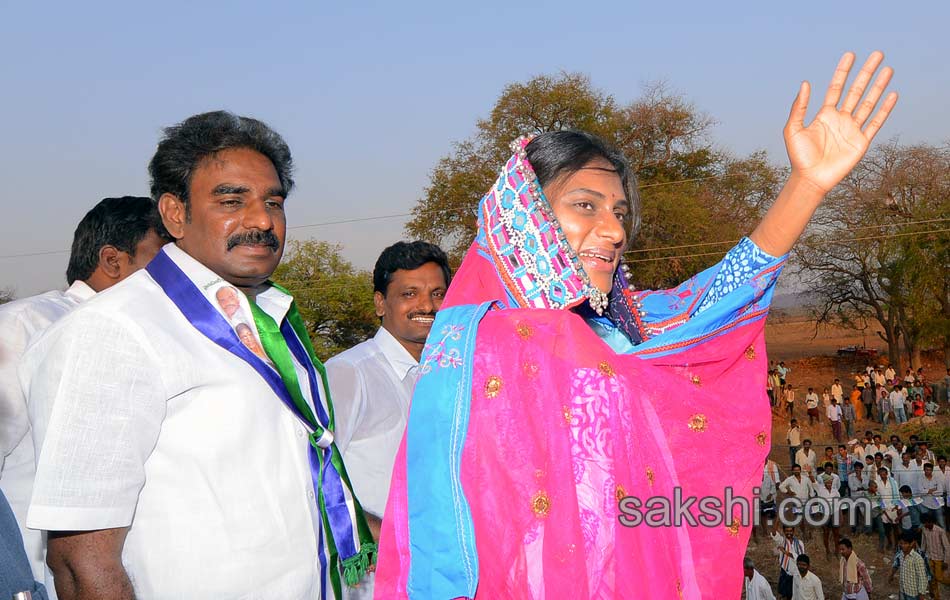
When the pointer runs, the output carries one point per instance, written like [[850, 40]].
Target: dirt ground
[[814, 362]]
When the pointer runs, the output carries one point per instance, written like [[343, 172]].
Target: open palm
[[833, 143]]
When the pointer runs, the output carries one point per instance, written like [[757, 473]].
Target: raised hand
[[825, 151]]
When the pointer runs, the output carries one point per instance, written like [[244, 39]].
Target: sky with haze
[[370, 95]]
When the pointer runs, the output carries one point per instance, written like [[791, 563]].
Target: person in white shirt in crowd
[[831, 511], [806, 585], [116, 238], [756, 586], [811, 404], [932, 489], [799, 486], [372, 382], [807, 459], [175, 462], [768, 494], [889, 375], [834, 415], [837, 391], [906, 472], [909, 378], [874, 447], [895, 450], [898, 398], [794, 439], [889, 493], [858, 482]]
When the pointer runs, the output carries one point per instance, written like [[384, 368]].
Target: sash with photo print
[[350, 548]]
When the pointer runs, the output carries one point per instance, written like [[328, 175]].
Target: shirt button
[[310, 494], [299, 432]]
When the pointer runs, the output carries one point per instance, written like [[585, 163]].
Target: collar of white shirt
[[396, 354], [79, 291], [272, 301]]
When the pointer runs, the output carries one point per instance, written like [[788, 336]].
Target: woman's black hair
[[196, 138], [557, 154]]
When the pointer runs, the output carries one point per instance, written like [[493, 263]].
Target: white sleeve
[[97, 403], [14, 421], [348, 395]]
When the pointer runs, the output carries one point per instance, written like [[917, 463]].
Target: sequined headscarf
[[532, 256]]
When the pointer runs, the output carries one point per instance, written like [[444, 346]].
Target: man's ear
[[110, 259], [379, 301], [174, 214]]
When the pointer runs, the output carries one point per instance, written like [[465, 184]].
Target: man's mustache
[[254, 238]]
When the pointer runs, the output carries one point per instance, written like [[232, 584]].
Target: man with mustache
[[372, 382], [176, 463]]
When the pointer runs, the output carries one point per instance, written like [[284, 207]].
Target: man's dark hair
[[185, 145], [803, 558], [909, 537], [119, 222], [905, 489], [928, 518], [557, 154], [408, 256], [858, 465], [846, 543]]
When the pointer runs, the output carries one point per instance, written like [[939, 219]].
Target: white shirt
[[771, 477], [811, 400], [807, 587], [897, 399], [22, 322], [806, 461], [371, 386], [834, 413], [837, 392], [801, 489], [907, 474], [932, 490], [147, 424], [758, 587]]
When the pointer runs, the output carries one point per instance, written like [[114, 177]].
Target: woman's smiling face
[[592, 209]]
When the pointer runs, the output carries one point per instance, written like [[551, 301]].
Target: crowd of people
[[169, 432], [894, 492]]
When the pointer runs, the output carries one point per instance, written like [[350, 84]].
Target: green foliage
[[6, 295], [335, 299], [664, 137]]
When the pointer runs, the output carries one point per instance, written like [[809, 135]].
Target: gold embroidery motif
[[696, 381], [540, 504], [606, 369], [530, 370], [524, 330], [493, 386], [734, 527], [679, 589], [750, 353], [568, 415], [697, 423], [650, 475], [620, 493], [538, 474], [760, 438]]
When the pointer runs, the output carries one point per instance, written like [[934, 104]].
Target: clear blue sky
[[370, 95]]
